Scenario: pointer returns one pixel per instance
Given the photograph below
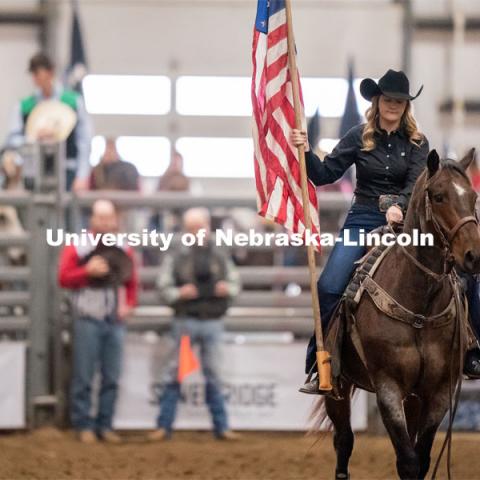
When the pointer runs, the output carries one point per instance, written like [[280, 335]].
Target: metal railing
[[262, 306]]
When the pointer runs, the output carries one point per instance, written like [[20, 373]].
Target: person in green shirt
[[78, 143]]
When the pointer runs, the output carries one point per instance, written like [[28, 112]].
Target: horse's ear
[[467, 160], [433, 162]]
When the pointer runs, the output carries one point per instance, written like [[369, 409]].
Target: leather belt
[[382, 203], [364, 200]]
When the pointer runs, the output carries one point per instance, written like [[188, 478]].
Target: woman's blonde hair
[[408, 123]]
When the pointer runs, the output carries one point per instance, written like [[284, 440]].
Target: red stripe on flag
[[276, 67], [277, 35]]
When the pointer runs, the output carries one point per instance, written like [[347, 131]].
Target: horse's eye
[[438, 198]]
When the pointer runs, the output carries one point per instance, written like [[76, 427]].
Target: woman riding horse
[[389, 153]]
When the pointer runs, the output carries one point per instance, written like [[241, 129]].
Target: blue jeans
[[208, 334], [340, 266], [96, 344], [70, 176]]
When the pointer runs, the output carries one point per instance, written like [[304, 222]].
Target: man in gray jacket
[[198, 283]]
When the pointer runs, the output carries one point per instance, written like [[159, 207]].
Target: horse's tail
[[318, 419]]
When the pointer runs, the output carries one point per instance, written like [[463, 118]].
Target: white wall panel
[[17, 44]]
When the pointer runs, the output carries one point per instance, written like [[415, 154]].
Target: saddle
[[343, 319], [345, 310]]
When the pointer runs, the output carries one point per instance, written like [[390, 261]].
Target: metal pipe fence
[[262, 306]]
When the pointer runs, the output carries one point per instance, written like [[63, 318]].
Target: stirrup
[[311, 385]]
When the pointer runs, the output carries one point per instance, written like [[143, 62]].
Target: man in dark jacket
[[198, 282]]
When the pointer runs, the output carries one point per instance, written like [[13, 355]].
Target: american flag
[[277, 168]]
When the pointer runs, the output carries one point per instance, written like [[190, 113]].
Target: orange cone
[[187, 361]]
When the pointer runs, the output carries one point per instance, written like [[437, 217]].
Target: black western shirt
[[392, 167]]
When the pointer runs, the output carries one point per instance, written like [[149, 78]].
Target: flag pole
[[323, 357]]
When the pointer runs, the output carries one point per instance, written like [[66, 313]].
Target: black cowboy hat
[[119, 263], [392, 84]]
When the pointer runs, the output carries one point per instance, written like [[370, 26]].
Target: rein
[[453, 393]]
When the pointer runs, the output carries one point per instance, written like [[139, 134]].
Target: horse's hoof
[[342, 476]]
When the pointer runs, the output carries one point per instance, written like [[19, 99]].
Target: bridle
[[446, 236]]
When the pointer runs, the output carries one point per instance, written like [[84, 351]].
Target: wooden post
[[323, 357]]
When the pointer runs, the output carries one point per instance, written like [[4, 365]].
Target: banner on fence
[[261, 388], [12, 386]]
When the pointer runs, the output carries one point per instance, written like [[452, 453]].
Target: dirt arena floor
[[52, 454]]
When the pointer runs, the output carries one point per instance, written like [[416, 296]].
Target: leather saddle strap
[[372, 271], [388, 305], [357, 343]]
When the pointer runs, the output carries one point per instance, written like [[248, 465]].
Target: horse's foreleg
[[433, 411], [390, 404], [339, 413], [412, 408]]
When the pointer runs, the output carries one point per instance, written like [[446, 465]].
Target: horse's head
[[450, 207]]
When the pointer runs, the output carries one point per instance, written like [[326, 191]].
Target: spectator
[[174, 180], [104, 288], [113, 173], [42, 70], [198, 282]]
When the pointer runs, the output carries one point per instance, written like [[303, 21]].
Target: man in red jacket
[[100, 307]]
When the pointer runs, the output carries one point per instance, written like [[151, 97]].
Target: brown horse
[[413, 369]]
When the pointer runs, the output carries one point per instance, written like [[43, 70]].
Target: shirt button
[[386, 168], [388, 156], [389, 145]]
